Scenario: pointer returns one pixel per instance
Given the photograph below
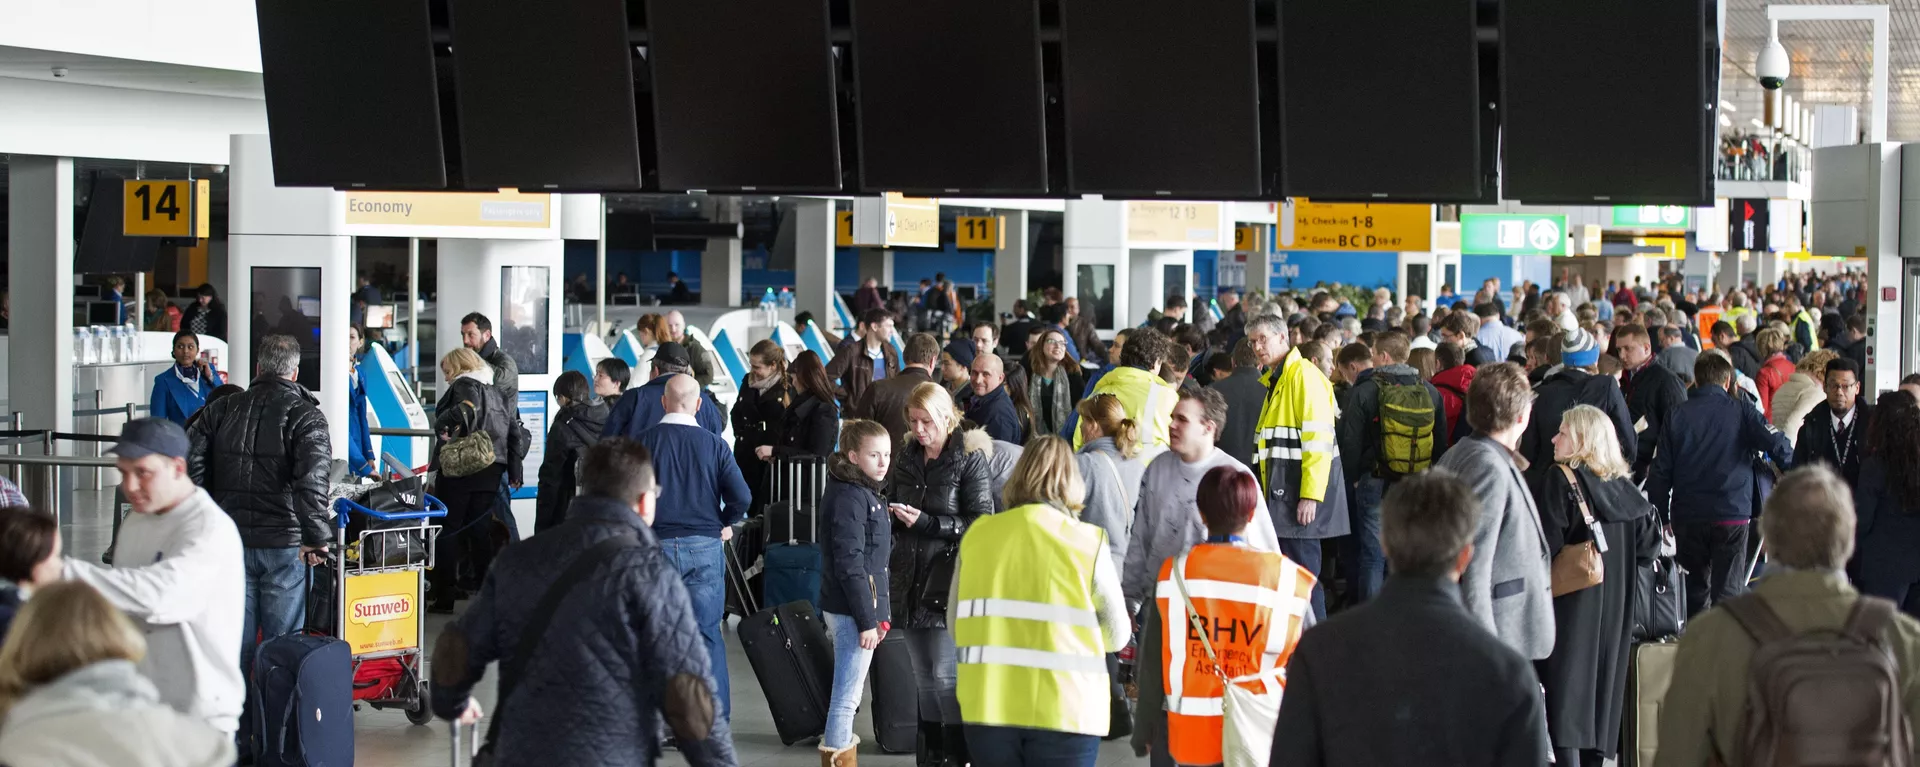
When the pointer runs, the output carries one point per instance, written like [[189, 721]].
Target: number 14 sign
[[165, 208]]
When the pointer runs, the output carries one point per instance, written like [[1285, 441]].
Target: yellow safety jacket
[[1295, 446], [1147, 398], [1031, 652], [1805, 318]]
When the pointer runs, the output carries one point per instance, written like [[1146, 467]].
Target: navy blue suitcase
[[303, 702], [792, 574]]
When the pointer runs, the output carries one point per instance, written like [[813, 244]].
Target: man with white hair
[[677, 333], [702, 494]]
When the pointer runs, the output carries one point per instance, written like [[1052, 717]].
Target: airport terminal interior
[[636, 183]]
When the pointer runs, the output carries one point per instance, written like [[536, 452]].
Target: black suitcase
[[896, 695], [787, 647], [794, 486], [746, 548]]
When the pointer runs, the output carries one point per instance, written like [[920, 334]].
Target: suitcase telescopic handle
[[463, 756]]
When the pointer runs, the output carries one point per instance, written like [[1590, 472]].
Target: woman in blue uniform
[[361, 459], [183, 387]]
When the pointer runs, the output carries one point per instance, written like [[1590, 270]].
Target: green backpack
[[1407, 421]]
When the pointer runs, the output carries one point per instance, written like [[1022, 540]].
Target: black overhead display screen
[[941, 118], [1381, 100], [1161, 98], [545, 95], [1608, 102], [351, 99], [743, 95]]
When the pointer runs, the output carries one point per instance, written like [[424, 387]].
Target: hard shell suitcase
[[303, 702], [1649, 673], [787, 647], [896, 695], [795, 484]]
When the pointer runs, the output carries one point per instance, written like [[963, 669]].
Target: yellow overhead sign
[[1174, 224], [1246, 238], [977, 232], [843, 229], [165, 208], [505, 209], [1356, 226], [897, 221]]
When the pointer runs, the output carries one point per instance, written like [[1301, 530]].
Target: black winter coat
[[1564, 388], [758, 418], [264, 456], [622, 649], [1746, 357], [1815, 441], [452, 416], [858, 541], [575, 429], [1651, 394], [950, 492], [812, 427]]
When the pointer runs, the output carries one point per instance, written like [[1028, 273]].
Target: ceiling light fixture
[[1728, 105]]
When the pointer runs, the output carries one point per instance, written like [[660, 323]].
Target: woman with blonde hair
[[1113, 461], [1804, 389], [1035, 608], [937, 487], [71, 695], [1589, 498], [470, 405]]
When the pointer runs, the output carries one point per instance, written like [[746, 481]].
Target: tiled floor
[[386, 739]]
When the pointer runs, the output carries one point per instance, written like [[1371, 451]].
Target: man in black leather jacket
[[264, 455]]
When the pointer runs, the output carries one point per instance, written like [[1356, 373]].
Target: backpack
[[1823, 697], [1407, 421]]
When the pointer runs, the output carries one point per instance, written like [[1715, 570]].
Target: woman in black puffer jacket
[[935, 489], [573, 430], [471, 403]]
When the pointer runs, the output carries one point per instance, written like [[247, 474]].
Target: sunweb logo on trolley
[[389, 607]]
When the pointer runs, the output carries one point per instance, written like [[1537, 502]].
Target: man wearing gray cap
[[178, 572]]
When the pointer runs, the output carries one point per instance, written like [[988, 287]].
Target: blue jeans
[[1360, 554], [1305, 552], [702, 566], [1022, 747], [850, 664]]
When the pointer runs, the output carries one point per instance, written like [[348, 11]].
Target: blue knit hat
[[1579, 350]]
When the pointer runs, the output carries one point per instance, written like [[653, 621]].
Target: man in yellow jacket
[[1299, 461], [1136, 382]]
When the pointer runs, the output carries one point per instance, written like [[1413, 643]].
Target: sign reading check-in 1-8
[[166, 208]]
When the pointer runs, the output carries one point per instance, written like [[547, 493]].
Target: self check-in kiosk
[[391, 405]]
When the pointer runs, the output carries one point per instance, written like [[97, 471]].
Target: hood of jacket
[[114, 685], [1459, 377], [586, 418], [1614, 500], [1399, 371]]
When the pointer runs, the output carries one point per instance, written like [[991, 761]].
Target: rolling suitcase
[[303, 702], [1649, 672], [896, 695], [787, 647], [794, 486], [746, 547], [792, 574]]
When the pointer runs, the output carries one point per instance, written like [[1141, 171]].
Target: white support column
[[878, 264], [1698, 264], [1010, 261], [1727, 277], [40, 275], [813, 259], [1095, 241], [1769, 269], [720, 263]]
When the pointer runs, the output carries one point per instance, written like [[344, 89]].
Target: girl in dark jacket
[[1887, 502], [1586, 676], [858, 539], [471, 528], [813, 416], [759, 415], [574, 429], [936, 489], [29, 557]]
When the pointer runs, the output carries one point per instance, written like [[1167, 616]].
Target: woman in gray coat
[[1113, 461]]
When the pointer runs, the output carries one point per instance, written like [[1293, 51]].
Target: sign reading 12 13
[[1513, 235], [1652, 216]]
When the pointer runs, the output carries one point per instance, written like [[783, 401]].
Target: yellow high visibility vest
[[1031, 653], [1147, 398]]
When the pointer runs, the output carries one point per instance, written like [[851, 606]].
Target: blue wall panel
[[1476, 269], [1304, 269]]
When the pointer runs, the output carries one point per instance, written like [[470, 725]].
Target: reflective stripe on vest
[[1238, 593], [1030, 649]]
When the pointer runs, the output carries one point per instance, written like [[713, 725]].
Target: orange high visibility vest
[[1254, 604], [1705, 318]]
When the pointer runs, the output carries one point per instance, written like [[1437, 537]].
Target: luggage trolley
[[379, 579]]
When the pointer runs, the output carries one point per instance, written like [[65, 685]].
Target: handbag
[[1578, 565], [1248, 716], [1660, 597], [469, 453]]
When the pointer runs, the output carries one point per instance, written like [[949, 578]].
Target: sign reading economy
[[1505, 234], [504, 209]]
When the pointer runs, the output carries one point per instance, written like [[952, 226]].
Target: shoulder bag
[[1578, 565], [582, 566], [471, 452]]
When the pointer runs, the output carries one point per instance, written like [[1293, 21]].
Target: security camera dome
[[1773, 67]]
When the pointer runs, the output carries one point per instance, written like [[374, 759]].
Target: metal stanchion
[[98, 421], [16, 424]]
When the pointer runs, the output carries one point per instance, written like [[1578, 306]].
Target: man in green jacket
[[1808, 527]]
